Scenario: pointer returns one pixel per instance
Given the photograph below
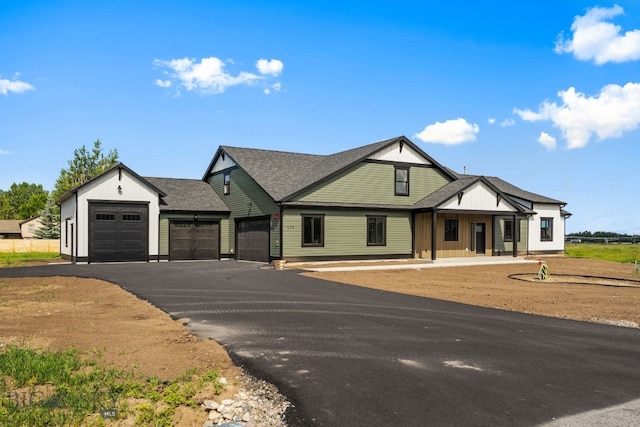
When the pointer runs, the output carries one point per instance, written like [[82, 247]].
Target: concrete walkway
[[409, 264]]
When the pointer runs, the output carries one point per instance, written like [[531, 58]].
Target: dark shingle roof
[[191, 195], [283, 174], [514, 191], [444, 193]]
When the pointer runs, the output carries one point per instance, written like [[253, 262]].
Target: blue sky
[[545, 94]]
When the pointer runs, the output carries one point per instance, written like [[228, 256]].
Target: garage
[[253, 239], [118, 232], [194, 240]]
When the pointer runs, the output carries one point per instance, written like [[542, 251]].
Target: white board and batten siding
[[394, 154], [222, 163], [478, 197], [105, 188], [536, 244]]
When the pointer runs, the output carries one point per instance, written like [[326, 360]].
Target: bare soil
[[577, 288], [117, 329]]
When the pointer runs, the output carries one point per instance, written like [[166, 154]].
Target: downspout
[[434, 229]]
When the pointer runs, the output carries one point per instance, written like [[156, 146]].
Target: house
[[29, 226], [10, 229], [384, 200]]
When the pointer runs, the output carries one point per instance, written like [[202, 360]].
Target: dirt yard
[[107, 324], [584, 298]]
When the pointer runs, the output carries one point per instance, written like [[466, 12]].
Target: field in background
[[625, 253]]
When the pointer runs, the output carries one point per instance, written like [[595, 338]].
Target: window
[[131, 217], [402, 181], [31, 228], [312, 230], [376, 231], [450, 230], [509, 231], [105, 217], [226, 187], [546, 229]]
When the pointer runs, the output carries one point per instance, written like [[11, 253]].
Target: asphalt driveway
[[349, 356]]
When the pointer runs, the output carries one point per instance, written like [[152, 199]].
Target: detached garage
[[121, 216]]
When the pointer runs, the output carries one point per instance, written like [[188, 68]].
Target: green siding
[[502, 247], [245, 199], [345, 234], [374, 183]]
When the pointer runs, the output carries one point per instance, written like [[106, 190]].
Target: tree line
[[25, 200]]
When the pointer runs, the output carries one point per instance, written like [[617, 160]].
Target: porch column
[[434, 228], [516, 232]]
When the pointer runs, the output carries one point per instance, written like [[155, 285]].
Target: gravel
[[256, 404]]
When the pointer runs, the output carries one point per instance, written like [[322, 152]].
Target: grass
[[42, 388], [17, 259], [625, 253]]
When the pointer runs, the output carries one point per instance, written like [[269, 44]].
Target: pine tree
[[50, 220]]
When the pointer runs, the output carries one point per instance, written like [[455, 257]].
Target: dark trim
[[311, 245], [550, 229], [384, 238], [348, 257], [75, 220], [400, 164], [395, 181]]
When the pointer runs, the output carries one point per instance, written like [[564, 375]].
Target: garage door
[[194, 240], [118, 232], [253, 239]]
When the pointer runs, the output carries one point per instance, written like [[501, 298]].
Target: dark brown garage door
[[194, 240], [118, 232], [253, 239]]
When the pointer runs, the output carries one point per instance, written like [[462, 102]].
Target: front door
[[480, 238]]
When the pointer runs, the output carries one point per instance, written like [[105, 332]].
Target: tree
[[84, 166], [22, 201], [50, 220]]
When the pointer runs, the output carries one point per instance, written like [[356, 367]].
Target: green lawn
[[625, 253], [17, 259]]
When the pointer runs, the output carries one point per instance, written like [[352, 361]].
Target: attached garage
[[194, 240], [118, 232], [253, 239]]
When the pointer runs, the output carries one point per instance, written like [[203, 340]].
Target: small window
[[509, 230], [312, 230], [131, 217], [546, 229], [31, 228], [105, 217], [226, 187], [376, 231], [402, 181], [450, 230]]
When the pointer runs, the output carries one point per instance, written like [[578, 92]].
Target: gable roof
[[10, 226], [283, 175], [191, 195], [519, 193], [120, 165], [447, 191]]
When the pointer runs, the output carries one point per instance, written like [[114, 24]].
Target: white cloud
[[15, 86], [3, 152], [547, 140], [273, 67], [207, 76], [507, 122], [163, 83], [615, 111], [450, 132], [491, 120], [275, 88], [598, 40]]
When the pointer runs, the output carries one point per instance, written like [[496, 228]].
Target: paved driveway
[[349, 356]]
